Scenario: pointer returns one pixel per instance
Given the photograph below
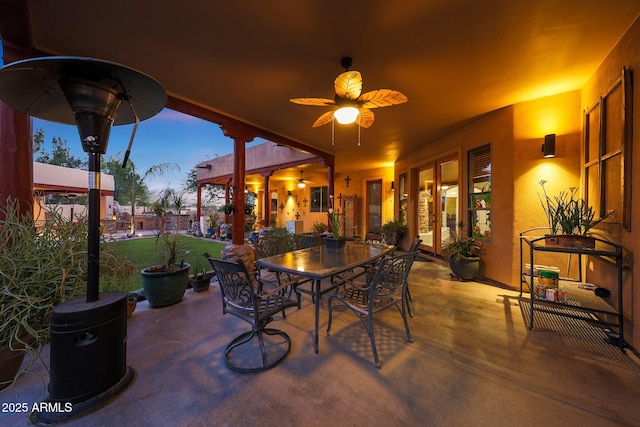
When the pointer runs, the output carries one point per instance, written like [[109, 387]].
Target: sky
[[168, 137]]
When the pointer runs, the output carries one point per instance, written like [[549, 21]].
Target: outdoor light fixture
[[87, 336], [549, 146], [346, 115]]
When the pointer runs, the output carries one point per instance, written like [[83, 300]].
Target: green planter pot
[[465, 268], [163, 288]]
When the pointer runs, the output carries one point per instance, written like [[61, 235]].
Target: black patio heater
[[88, 336]]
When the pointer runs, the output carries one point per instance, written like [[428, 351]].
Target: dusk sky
[[169, 137]]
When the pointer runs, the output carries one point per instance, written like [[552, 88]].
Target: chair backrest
[[392, 274], [305, 241], [381, 238], [236, 284], [270, 245], [416, 243]]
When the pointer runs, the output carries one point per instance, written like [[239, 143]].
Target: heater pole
[[93, 237]]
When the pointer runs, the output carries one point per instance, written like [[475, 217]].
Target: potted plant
[[463, 255], [319, 227], [570, 219], [165, 284], [200, 280], [214, 225], [336, 242], [43, 262], [397, 227]]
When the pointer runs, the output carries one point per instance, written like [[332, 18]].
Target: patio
[[473, 362]]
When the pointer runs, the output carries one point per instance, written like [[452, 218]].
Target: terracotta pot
[[570, 241], [10, 362]]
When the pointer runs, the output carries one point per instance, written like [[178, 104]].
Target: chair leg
[[255, 357], [409, 299], [404, 318], [369, 328]]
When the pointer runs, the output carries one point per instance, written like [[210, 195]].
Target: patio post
[[16, 148]]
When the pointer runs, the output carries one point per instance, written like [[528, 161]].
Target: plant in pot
[[463, 255], [570, 218], [165, 284], [43, 262], [214, 225], [319, 227], [397, 227], [336, 242], [200, 280]]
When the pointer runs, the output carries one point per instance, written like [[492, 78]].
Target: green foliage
[[43, 262], [569, 213], [59, 155], [461, 247], [141, 253], [397, 227], [319, 227], [283, 232]]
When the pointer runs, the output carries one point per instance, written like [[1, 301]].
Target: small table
[[318, 264]]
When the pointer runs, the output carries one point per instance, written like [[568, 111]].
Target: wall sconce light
[[289, 194], [549, 146]]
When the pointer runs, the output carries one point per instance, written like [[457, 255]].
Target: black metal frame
[[241, 297]]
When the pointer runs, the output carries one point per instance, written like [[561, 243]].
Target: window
[[480, 192], [319, 198], [607, 143]]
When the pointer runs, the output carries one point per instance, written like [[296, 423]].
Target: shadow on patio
[[473, 362]]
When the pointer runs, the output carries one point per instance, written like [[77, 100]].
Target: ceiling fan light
[[301, 184], [346, 115]]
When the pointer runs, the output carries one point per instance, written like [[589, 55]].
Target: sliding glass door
[[438, 203]]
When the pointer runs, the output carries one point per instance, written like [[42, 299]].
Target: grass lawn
[[142, 253]]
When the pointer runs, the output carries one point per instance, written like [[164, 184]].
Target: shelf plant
[[570, 215]]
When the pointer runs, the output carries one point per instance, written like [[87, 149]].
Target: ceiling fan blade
[[324, 119], [348, 85], [382, 98], [366, 117], [320, 102]]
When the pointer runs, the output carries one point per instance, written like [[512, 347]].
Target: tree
[[211, 192], [60, 154]]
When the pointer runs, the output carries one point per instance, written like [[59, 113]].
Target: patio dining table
[[317, 263]]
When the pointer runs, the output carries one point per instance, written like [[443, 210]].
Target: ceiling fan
[[351, 103], [302, 182]]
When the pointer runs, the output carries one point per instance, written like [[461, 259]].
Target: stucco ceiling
[[454, 59]]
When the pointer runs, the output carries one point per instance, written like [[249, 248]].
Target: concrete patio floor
[[473, 363]]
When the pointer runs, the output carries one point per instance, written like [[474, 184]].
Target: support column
[[331, 188], [16, 149], [267, 199], [241, 134]]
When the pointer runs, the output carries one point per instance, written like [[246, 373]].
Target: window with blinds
[[479, 205]]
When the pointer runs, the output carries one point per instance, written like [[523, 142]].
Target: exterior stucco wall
[[495, 128], [624, 54]]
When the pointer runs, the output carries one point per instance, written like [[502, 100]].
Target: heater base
[[54, 412]]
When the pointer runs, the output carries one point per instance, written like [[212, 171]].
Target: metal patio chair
[[366, 298], [261, 348]]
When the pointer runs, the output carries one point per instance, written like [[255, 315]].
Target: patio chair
[[304, 241], [261, 348], [270, 245], [412, 249], [366, 298]]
